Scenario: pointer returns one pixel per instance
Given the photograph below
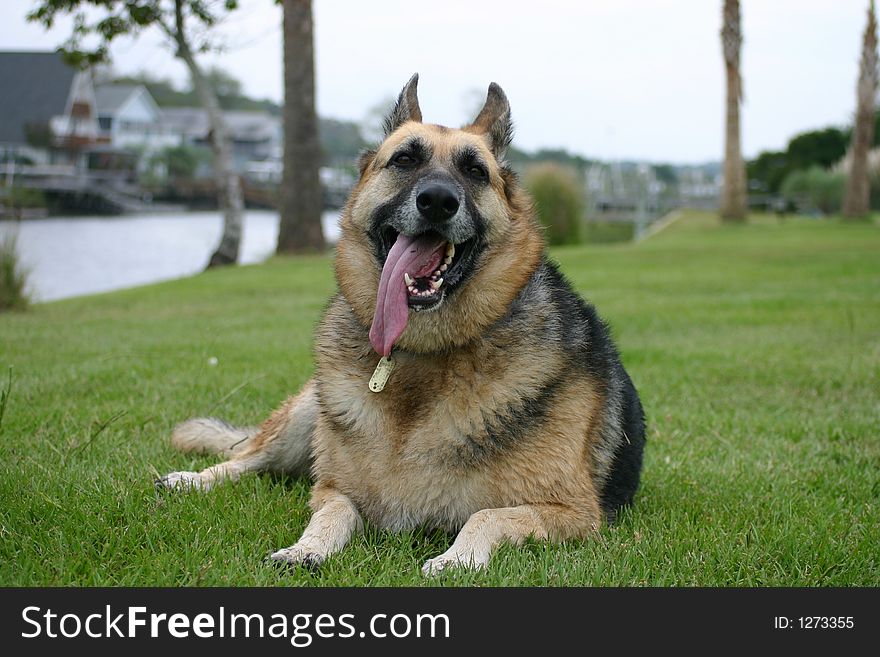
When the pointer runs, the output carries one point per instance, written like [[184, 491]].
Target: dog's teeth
[[443, 267], [450, 250], [437, 273], [407, 279], [436, 284], [447, 260]]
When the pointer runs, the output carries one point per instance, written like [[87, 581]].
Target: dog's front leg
[[334, 522], [486, 529]]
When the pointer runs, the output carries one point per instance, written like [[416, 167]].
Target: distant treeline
[[816, 148], [229, 92], [343, 141]]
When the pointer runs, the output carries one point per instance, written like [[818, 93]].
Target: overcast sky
[[613, 79]]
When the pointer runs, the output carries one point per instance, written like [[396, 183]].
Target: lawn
[[756, 350]]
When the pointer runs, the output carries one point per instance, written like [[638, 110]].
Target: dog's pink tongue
[[409, 254]]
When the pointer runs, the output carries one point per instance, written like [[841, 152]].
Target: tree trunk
[[855, 203], [733, 193], [229, 195], [302, 200]]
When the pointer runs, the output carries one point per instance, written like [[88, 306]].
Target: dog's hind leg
[[334, 521], [486, 529], [282, 444]]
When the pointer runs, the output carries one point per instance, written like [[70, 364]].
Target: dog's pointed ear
[[406, 108], [494, 120]]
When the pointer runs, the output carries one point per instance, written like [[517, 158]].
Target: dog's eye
[[477, 172], [404, 160]]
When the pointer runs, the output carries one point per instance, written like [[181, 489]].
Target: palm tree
[[302, 200], [855, 203], [733, 193]]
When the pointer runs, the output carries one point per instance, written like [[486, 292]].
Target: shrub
[[182, 161], [18, 198], [559, 201], [815, 189], [13, 277]]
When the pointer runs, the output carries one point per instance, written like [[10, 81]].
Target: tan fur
[[515, 247], [334, 521], [410, 478], [282, 444], [396, 458], [210, 436]]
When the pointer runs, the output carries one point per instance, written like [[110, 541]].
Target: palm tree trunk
[[302, 200], [856, 200], [733, 193], [226, 180]]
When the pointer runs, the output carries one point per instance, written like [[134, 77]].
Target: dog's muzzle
[[437, 201]]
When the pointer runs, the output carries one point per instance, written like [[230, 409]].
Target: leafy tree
[[181, 161], [768, 170], [176, 19], [666, 174], [821, 147]]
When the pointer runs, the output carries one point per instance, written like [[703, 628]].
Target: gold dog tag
[[381, 373]]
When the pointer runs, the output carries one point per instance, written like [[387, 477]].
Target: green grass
[[608, 232], [756, 350]]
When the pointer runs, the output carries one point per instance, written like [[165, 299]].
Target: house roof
[[34, 87], [191, 121], [243, 125], [110, 97]]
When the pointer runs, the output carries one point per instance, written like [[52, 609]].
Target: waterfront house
[[256, 136], [129, 118], [47, 109]]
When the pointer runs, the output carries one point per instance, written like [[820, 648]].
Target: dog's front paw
[[297, 555], [183, 481], [454, 559]]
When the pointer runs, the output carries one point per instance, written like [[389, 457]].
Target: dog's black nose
[[437, 202]]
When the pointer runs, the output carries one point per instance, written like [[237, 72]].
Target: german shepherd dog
[[459, 381]]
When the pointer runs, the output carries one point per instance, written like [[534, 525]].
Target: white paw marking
[[298, 555], [184, 481], [449, 559]]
